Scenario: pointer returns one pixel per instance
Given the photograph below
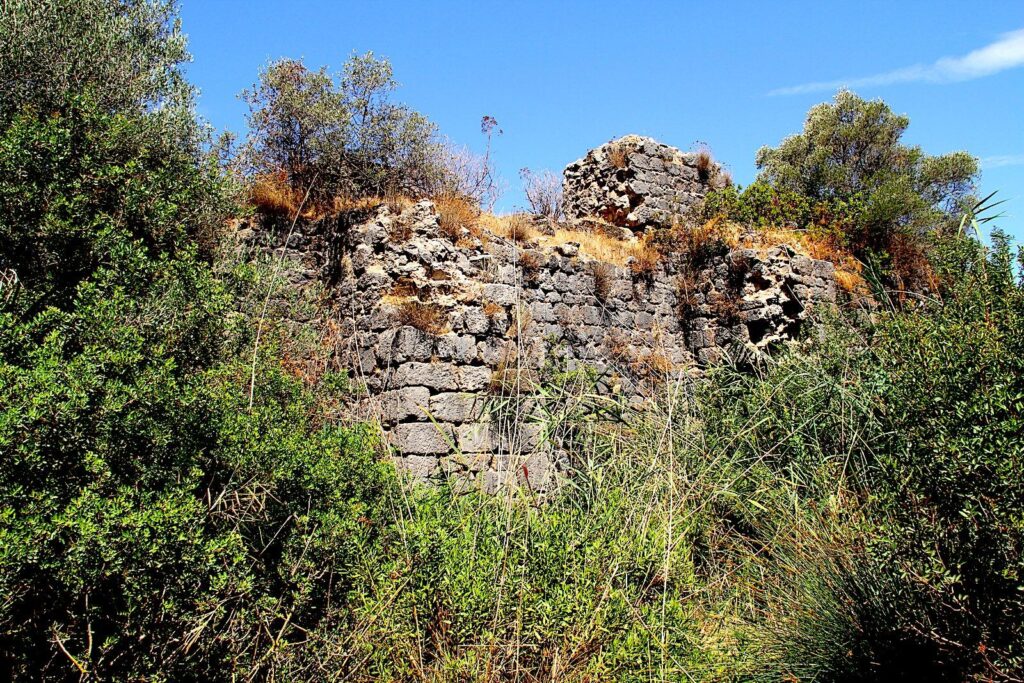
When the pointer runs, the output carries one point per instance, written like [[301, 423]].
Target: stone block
[[419, 467], [474, 377], [438, 376], [503, 295], [456, 407], [422, 438], [475, 437], [403, 404], [476, 321], [459, 348]]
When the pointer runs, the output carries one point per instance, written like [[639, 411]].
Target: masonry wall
[[636, 182], [508, 310]]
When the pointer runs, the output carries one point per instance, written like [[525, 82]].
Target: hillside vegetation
[[182, 500]]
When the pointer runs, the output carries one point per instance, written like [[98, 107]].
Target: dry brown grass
[[686, 292], [652, 364], [510, 378], [646, 260], [521, 319], [725, 307], [705, 163], [516, 227], [618, 347], [602, 273], [594, 245], [454, 214], [618, 155], [531, 262], [404, 288], [520, 230], [273, 196], [396, 203], [425, 317], [911, 269], [492, 310]]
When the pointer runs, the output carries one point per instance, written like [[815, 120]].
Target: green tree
[[99, 146], [850, 151], [345, 132], [127, 53]]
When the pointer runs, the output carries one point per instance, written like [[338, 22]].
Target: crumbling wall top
[[638, 182]]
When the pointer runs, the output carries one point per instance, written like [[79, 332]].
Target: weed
[[273, 196], [425, 317], [520, 230], [521, 319], [531, 262], [603, 275], [617, 154], [645, 261], [493, 310], [686, 292], [455, 214]]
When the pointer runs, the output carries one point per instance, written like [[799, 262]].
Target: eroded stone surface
[[637, 182]]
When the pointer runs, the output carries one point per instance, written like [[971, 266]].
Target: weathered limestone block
[[475, 438], [420, 467], [456, 407], [422, 438], [503, 295], [474, 377], [637, 182], [403, 344], [439, 376], [403, 404], [458, 348]]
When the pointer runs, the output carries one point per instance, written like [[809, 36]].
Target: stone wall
[[497, 312], [637, 182]]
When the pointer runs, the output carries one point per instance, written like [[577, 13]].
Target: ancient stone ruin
[[452, 339], [637, 182]]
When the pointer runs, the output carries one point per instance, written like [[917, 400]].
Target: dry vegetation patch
[[425, 317], [456, 213]]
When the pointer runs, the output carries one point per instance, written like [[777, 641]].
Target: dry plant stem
[[270, 291]]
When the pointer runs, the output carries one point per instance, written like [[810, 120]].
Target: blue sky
[[562, 77]]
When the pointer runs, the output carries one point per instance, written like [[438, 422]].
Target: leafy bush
[[339, 136], [850, 150]]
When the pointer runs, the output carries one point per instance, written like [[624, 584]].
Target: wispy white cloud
[[1005, 53], [1003, 160]]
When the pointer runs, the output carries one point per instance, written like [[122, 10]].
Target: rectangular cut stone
[[420, 467], [474, 378], [520, 437], [476, 321], [460, 348], [455, 407], [439, 376], [405, 403], [475, 437], [504, 295], [422, 438]]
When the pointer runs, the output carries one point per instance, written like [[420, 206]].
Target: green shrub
[[338, 137], [851, 148]]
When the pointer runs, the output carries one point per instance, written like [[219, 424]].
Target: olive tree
[[126, 54], [343, 131], [850, 150]]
